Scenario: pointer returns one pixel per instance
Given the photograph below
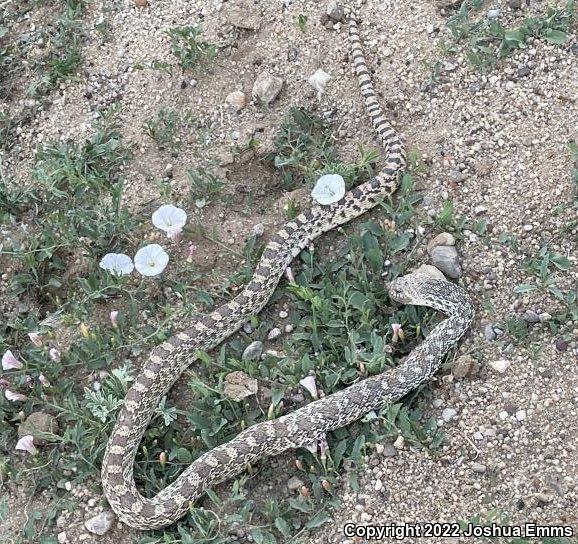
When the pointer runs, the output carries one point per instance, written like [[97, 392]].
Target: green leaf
[[357, 300], [556, 36], [3, 31], [317, 520], [300, 504], [183, 455], [514, 34], [283, 527], [524, 288], [561, 262]]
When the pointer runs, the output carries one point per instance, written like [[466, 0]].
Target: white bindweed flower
[[309, 384], [14, 397], [35, 338], [151, 260], [10, 362], [118, 264], [329, 189], [170, 219], [26, 443]]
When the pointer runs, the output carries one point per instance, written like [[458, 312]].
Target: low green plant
[[188, 48], [488, 40]]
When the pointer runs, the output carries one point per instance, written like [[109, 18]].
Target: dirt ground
[[495, 144]]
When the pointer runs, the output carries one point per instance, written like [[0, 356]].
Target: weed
[[79, 206], [203, 187], [302, 22], [303, 146], [488, 40], [165, 127], [189, 50]]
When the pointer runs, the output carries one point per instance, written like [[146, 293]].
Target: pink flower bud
[[192, 249], [398, 333], [309, 384], [113, 318], [43, 380], [289, 275], [35, 338]]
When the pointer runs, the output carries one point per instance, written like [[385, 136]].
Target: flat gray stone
[[101, 523], [446, 259]]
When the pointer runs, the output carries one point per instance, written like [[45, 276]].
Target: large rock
[[40, 425], [267, 87], [239, 385], [445, 258], [101, 523], [244, 17]]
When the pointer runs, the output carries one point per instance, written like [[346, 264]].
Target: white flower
[[14, 397], [26, 443], [151, 260], [329, 189], [309, 384], [117, 263], [170, 219], [10, 362]]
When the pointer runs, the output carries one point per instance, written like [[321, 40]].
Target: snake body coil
[[168, 360]]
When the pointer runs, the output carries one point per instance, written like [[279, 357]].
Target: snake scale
[[168, 360]]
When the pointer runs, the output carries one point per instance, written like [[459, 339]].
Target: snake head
[[415, 288], [399, 289]]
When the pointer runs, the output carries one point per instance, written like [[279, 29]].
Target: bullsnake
[[168, 360]]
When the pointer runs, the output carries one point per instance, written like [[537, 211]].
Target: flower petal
[[309, 384], [169, 218], [9, 361], [151, 260], [14, 397], [117, 263], [35, 338], [26, 443], [329, 189]]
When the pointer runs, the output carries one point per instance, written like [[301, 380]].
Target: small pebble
[[253, 351], [274, 333], [501, 365], [448, 414]]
